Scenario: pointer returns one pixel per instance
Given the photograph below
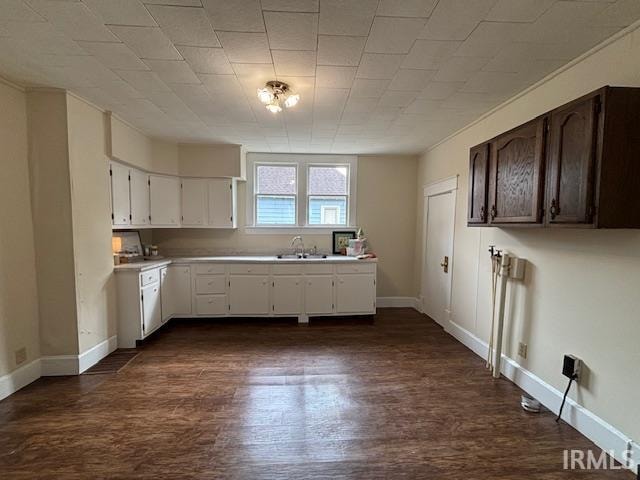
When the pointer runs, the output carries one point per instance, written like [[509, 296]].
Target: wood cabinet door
[[139, 185], [355, 293], [249, 294], [287, 295], [516, 178], [571, 163], [221, 203], [120, 201], [318, 294], [478, 180], [164, 194], [194, 201]]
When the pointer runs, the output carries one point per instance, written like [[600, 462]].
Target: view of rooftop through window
[[276, 190]]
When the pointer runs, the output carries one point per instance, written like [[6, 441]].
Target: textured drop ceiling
[[375, 76]]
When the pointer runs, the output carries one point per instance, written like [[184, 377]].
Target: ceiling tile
[[393, 35], [340, 50], [74, 19], [292, 31], [361, 105], [182, 3], [206, 60], [185, 25], [430, 54], [440, 90], [143, 81], [335, 77], [121, 12], [147, 42], [406, 8], [397, 99], [368, 88], [254, 72], [173, 71], [455, 19], [291, 5], [620, 14], [493, 82], [460, 69], [17, 11], [347, 17], [489, 38], [518, 10], [224, 85], [411, 80], [235, 16], [379, 65], [114, 55], [242, 47], [294, 63]]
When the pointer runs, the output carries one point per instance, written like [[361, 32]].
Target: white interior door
[[436, 278]]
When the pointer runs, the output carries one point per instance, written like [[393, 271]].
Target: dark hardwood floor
[[393, 397]]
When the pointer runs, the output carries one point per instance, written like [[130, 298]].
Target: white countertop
[[151, 264]]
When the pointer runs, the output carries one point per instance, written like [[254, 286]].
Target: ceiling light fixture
[[275, 93]]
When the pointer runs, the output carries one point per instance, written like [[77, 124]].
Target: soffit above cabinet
[[374, 76]]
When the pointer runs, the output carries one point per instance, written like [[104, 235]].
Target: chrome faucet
[[298, 239]]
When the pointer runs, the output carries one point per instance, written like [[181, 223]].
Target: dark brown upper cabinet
[[478, 180], [573, 137], [577, 166], [516, 177]]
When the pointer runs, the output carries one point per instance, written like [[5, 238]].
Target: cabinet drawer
[[210, 284], [149, 277], [357, 268], [210, 268], [249, 269], [286, 269], [318, 269], [211, 304]]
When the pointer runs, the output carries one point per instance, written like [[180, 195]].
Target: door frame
[[439, 187]]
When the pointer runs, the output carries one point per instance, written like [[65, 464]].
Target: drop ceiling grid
[[375, 76]]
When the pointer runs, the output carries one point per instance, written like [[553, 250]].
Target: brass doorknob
[[445, 264]]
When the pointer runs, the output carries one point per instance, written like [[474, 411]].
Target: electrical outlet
[[21, 355], [522, 350], [571, 367]]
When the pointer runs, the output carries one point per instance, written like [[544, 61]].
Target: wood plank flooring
[[388, 397]]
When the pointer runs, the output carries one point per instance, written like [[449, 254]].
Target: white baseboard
[[397, 302], [59, 365], [96, 353], [604, 435], [20, 377]]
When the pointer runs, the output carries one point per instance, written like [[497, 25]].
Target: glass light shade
[[274, 107], [265, 95], [291, 100]]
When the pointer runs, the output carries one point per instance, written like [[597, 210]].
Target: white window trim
[[302, 161]]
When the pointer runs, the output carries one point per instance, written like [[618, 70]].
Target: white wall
[[18, 294], [580, 294], [90, 201]]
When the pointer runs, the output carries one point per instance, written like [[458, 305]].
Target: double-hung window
[[301, 191]]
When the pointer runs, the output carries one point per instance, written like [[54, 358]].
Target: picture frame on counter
[[341, 241]]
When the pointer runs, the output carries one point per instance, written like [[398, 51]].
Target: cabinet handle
[[494, 212], [483, 214], [554, 209]]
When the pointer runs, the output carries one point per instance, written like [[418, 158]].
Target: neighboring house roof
[[327, 181], [281, 180]]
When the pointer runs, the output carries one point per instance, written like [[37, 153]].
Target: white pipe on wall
[[504, 276]]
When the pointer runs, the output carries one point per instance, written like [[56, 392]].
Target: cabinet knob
[[494, 212], [554, 209], [483, 214]]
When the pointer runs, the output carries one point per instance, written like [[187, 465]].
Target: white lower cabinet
[[249, 294], [175, 291], [318, 294], [151, 308], [355, 293], [211, 305], [287, 295]]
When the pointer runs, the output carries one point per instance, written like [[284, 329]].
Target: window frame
[[256, 194], [302, 163], [347, 196]]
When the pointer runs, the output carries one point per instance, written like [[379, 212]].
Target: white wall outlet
[[522, 350]]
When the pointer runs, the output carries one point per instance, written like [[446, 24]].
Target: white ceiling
[[375, 76]]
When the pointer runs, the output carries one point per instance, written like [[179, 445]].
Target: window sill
[[296, 230]]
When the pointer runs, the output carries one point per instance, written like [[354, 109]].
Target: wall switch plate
[[522, 350], [21, 355], [517, 267]]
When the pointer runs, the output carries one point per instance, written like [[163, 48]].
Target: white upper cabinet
[[120, 203], [164, 193], [139, 194], [194, 202], [222, 203]]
